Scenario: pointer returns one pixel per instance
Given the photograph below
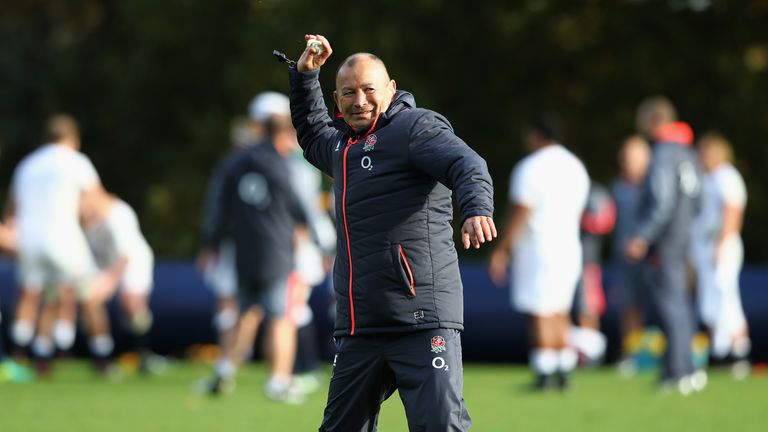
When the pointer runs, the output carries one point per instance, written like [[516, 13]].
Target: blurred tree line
[[155, 84]]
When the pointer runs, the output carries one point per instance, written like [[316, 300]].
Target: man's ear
[[393, 85], [336, 99]]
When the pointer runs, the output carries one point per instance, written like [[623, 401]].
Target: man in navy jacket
[[396, 278], [668, 205]]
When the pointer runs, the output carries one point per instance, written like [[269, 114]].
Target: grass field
[[74, 400]]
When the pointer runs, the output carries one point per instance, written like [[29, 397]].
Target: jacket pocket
[[403, 269]]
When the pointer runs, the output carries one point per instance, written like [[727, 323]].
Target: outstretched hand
[[477, 230], [310, 60]]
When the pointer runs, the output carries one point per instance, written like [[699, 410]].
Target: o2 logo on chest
[[366, 163]]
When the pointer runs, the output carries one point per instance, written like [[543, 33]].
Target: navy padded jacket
[[396, 267]]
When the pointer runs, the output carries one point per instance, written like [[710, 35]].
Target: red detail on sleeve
[[600, 222]]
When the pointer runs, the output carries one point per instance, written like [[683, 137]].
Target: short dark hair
[[352, 60], [546, 125], [61, 126]]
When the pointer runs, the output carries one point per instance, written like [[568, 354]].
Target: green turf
[[74, 400]]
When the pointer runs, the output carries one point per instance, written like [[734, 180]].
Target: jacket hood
[[401, 101]]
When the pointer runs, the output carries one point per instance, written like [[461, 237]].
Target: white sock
[[544, 361], [567, 359], [279, 382], [101, 345], [64, 334], [22, 333], [225, 320], [42, 346], [225, 368], [720, 343], [588, 341], [741, 348]]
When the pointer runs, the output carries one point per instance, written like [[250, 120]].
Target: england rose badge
[[369, 143], [438, 344]]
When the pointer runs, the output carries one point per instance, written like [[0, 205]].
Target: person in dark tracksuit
[[669, 203], [396, 278], [260, 210], [634, 158]]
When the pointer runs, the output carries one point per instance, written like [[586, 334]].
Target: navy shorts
[[271, 296], [424, 366]]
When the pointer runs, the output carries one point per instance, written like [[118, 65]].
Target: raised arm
[[308, 111]]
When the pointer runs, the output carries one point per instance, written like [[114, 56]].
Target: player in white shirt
[[718, 252], [48, 187], [548, 193], [125, 261]]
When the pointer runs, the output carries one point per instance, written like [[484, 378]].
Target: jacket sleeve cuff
[[474, 213], [297, 77]]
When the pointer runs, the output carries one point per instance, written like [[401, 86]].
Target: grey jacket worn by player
[[670, 197], [396, 266]]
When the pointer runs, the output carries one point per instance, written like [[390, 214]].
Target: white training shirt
[[118, 235], [553, 184], [723, 186], [47, 185]]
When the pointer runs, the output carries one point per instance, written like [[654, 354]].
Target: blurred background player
[[668, 205], [10, 371], [217, 264], [548, 193], [718, 253], [260, 209], [125, 261], [49, 186], [597, 221], [315, 243], [634, 158]]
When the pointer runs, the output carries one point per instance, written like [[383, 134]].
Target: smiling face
[[363, 90]]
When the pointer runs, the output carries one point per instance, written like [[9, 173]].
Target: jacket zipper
[[350, 143], [408, 268], [346, 233]]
